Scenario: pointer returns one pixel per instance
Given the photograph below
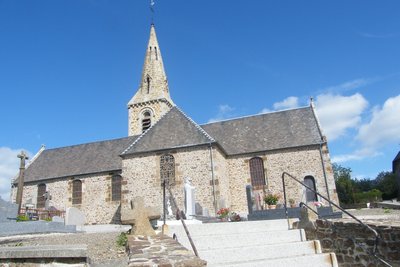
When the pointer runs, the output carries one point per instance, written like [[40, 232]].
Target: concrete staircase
[[253, 243]]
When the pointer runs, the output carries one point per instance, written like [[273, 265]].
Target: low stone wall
[[353, 243]]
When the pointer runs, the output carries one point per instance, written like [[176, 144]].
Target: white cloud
[[287, 103], [384, 126], [349, 85], [9, 166], [338, 113], [224, 112]]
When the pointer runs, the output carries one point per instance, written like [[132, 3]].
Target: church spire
[[154, 83], [152, 99]]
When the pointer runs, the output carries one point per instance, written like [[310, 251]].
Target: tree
[[344, 183], [386, 183]]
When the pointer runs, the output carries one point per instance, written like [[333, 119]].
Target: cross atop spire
[[154, 83]]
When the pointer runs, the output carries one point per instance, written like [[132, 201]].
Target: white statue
[[189, 199]]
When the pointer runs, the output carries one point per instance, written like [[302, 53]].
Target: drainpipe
[[324, 172], [213, 179]]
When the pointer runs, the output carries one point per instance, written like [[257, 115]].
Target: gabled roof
[[270, 131], [173, 130], [87, 158]]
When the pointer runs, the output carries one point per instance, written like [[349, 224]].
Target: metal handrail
[[377, 237], [181, 215]]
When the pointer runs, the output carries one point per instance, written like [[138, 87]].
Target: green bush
[[122, 240], [373, 195]]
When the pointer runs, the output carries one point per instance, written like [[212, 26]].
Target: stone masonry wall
[[298, 162], [343, 239], [143, 177], [96, 197]]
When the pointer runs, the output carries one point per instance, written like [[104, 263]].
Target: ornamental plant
[[271, 199], [223, 213]]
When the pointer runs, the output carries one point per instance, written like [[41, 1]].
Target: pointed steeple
[[152, 99], [154, 83]]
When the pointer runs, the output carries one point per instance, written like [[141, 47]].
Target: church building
[[219, 159]]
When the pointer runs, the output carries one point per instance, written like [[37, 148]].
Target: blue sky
[[69, 67]]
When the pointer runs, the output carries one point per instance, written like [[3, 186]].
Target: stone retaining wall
[[343, 237]]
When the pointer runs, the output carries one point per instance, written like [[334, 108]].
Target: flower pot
[[272, 207]]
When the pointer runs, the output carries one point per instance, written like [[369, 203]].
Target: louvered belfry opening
[[167, 169], [257, 172], [146, 121], [77, 192], [116, 187], [40, 196]]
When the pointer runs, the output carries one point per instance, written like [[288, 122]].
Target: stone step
[[229, 240], [232, 227], [260, 252], [320, 260]]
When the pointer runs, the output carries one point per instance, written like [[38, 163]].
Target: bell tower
[[152, 99]]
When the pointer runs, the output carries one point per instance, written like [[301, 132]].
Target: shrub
[[122, 240], [22, 218]]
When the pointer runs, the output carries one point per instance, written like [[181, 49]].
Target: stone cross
[[23, 158]]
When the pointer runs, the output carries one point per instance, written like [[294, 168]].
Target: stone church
[[219, 159]]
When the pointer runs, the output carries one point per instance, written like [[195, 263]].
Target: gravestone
[[249, 196], [74, 216], [198, 209], [222, 203], [7, 210], [206, 213], [189, 199]]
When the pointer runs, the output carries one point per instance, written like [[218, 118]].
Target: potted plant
[[223, 214], [271, 200]]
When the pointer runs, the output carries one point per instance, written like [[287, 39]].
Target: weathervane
[[152, 11]]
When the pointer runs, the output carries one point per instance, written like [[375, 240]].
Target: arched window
[[146, 121], [76, 192], [40, 203], [167, 169], [116, 187], [257, 172], [310, 182], [148, 84]]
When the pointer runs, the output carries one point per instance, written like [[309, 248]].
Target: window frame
[[116, 187], [167, 169], [76, 192], [257, 172]]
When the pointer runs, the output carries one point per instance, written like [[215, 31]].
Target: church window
[[116, 187], [167, 169], [76, 192], [146, 121], [310, 182], [40, 203], [257, 171]]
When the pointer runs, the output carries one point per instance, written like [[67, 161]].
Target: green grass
[[122, 240]]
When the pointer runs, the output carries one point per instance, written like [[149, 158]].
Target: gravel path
[[102, 247]]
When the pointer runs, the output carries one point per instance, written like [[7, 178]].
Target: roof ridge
[[256, 115], [196, 125], [140, 136]]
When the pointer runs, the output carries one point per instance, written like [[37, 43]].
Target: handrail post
[[284, 203]]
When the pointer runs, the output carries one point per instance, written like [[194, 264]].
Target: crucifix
[[23, 157]]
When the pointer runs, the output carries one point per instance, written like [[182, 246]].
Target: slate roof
[[77, 160], [173, 130], [269, 131]]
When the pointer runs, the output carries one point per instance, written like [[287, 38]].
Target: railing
[[181, 216], [40, 214], [377, 237]]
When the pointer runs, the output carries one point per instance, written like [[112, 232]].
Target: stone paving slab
[[162, 251], [46, 251]]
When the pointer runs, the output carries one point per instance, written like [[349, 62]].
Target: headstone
[[222, 203], [7, 210], [57, 219], [198, 209], [249, 193], [206, 213], [74, 216], [307, 220], [189, 199], [139, 217]]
